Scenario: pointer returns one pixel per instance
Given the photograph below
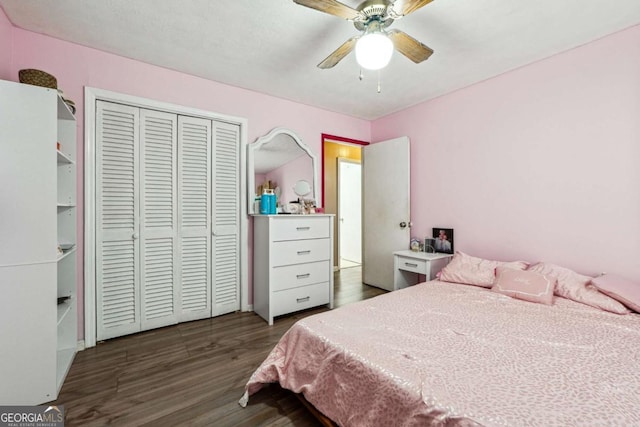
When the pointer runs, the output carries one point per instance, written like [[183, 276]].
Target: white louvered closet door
[[158, 218], [117, 246], [194, 217], [226, 217]]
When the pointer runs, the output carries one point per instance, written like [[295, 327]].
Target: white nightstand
[[408, 264]]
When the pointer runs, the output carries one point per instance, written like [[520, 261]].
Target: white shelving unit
[[39, 305], [67, 326]]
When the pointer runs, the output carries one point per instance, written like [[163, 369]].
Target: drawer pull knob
[[303, 276], [408, 264], [302, 228], [304, 252], [305, 299]]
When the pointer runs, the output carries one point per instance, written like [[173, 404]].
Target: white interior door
[[386, 209], [349, 211]]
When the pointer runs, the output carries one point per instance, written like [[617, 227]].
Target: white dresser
[[292, 263]]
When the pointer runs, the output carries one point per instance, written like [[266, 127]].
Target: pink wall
[[541, 163], [538, 163], [6, 38], [76, 67]]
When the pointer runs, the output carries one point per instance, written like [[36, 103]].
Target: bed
[[451, 354]]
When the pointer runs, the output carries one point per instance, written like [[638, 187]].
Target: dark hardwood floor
[[192, 373]]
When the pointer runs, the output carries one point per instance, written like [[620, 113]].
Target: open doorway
[[335, 151], [349, 213]]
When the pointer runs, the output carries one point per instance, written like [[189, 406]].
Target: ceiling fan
[[375, 45]]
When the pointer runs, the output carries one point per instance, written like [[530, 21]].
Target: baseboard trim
[[80, 346]]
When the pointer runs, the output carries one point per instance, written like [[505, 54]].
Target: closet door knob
[[134, 236]]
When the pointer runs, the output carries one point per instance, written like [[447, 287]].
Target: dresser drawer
[[295, 299], [411, 264], [293, 276], [302, 227], [300, 251]]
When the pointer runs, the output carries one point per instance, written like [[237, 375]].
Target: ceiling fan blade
[[405, 7], [410, 47], [337, 55], [332, 7]]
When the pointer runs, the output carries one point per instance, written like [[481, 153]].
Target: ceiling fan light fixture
[[374, 50]]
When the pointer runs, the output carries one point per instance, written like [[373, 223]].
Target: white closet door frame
[[91, 96]]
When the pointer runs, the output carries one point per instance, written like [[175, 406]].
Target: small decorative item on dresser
[[414, 245], [268, 202], [37, 78], [292, 208]]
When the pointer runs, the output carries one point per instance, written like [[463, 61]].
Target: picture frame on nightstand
[[443, 240]]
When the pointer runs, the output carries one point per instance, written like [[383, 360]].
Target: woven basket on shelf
[[37, 78]]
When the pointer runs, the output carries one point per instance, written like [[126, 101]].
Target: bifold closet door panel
[[167, 218], [158, 218], [226, 217], [194, 217], [117, 211]]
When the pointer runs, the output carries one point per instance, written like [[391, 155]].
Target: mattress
[[450, 354]]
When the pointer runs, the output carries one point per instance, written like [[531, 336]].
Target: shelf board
[[64, 112], [64, 158], [67, 253], [66, 205], [63, 309], [64, 358]]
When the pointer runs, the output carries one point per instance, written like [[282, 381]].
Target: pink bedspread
[[447, 354]]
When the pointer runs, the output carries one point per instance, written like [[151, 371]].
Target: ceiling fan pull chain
[[361, 76], [379, 85]]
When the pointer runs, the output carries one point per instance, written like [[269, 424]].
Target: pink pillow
[[524, 285], [623, 290], [577, 287], [470, 270]]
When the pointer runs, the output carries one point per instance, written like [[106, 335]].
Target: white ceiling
[[273, 46]]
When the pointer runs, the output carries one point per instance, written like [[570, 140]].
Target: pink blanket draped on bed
[[448, 354]]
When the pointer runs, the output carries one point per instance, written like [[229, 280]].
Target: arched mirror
[[281, 157]]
